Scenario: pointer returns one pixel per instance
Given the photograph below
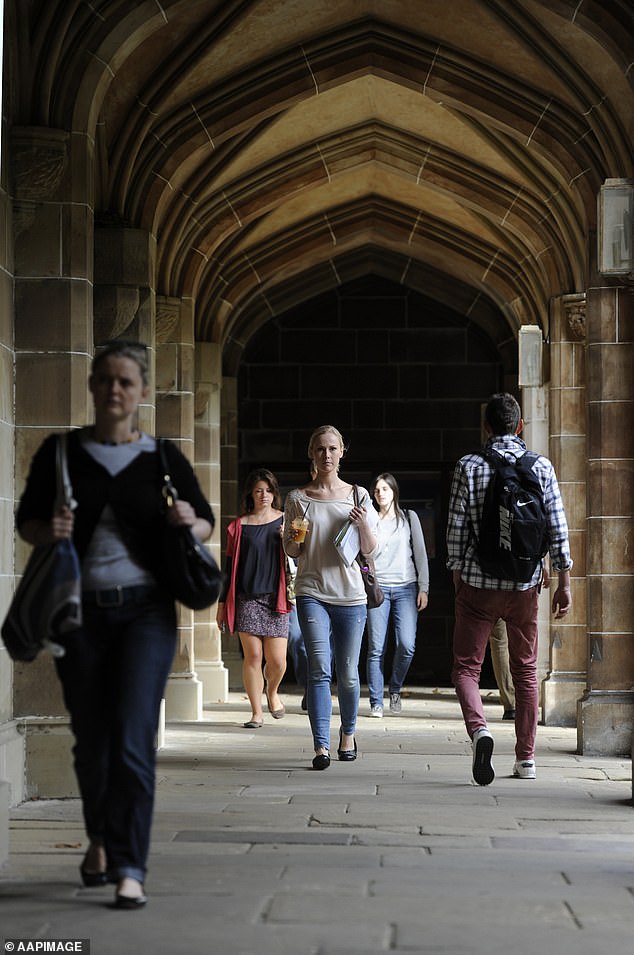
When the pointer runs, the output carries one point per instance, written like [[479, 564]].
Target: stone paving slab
[[255, 854]]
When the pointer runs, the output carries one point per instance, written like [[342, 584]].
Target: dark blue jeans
[[113, 677], [400, 603]]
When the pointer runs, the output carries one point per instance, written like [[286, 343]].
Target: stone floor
[[255, 854]]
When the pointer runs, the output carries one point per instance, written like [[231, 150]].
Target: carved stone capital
[[168, 313], [114, 307], [575, 314], [38, 159], [201, 402]]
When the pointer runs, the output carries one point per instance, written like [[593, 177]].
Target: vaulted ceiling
[[279, 147]]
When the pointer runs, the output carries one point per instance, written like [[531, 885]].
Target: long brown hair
[[392, 483], [247, 503]]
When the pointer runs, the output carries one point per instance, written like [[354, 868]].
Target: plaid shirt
[[470, 480]]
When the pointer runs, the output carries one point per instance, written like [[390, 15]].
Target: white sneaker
[[376, 711], [483, 772], [524, 769]]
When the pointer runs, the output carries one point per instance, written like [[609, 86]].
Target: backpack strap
[[497, 460], [528, 459]]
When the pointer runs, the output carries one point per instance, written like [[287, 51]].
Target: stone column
[[11, 742], [175, 420], [229, 497], [208, 378], [606, 712], [53, 252], [535, 414], [567, 677], [124, 297]]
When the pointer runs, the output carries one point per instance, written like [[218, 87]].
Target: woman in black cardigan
[[115, 667]]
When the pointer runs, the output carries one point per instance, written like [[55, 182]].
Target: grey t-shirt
[[321, 573], [107, 562]]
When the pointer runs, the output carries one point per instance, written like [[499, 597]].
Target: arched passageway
[[219, 178]]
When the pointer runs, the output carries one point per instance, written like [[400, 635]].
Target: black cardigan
[[134, 495]]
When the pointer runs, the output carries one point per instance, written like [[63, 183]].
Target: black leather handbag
[[47, 602], [372, 588], [188, 570]]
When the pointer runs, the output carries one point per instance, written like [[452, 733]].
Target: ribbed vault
[[275, 148]]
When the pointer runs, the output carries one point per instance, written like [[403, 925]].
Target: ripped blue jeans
[[317, 619]]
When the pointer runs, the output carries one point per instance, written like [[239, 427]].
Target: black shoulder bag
[[188, 570], [47, 602]]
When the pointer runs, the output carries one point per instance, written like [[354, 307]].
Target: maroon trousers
[[476, 613]]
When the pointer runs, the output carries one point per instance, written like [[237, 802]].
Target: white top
[[400, 555], [321, 573]]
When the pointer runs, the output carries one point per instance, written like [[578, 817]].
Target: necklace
[[133, 436]]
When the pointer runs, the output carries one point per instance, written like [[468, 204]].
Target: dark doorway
[[404, 379]]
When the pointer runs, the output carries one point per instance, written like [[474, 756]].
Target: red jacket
[[234, 535]]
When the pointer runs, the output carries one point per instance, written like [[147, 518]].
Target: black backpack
[[513, 525]]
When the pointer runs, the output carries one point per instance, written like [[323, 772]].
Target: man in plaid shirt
[[481, 600]]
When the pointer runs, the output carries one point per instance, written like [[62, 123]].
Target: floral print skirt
[[256, 614]]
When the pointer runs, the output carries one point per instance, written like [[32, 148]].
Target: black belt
[[117, 596]]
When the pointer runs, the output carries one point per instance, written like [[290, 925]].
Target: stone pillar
[[208, 377], [229, 496], [175, 420], [535, 414], [124, 297], [53, 250], [11, 742], [606, 712], [567, 677]]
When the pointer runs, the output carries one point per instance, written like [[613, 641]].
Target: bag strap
[[64, 491], [168, 490], [497, 460], [360, 559], [411, 542]]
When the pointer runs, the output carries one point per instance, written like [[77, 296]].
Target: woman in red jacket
[[254, 601]]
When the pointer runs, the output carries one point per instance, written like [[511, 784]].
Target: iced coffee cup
[[300, 527]]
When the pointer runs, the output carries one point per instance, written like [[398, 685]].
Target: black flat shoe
[[347, 755], [91, 875], [128, 902], [322, 761], [253, 725], [92, 879]]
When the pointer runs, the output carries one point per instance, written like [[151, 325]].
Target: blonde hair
[[317, 433]]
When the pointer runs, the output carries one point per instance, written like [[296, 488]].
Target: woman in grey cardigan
[[403, 573]]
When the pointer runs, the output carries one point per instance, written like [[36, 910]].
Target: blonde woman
[[330, 595]]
